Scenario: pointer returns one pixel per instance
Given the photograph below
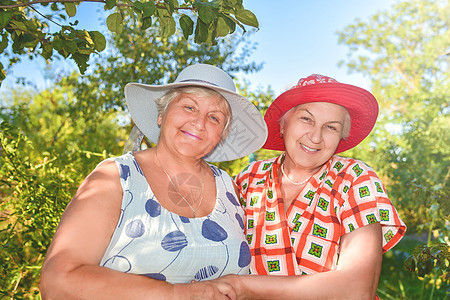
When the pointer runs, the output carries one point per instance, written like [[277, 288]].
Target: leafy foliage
[[45, 153], [28, 28], [425, 259], [405, 54]]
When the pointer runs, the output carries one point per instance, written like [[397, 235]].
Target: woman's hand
[[233, 281], [212, 289]]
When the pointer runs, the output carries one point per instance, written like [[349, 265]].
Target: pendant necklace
[[291, 181], [176, 190]]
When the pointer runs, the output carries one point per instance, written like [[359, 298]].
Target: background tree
[[28, 25], [406, 55], [45, 153]]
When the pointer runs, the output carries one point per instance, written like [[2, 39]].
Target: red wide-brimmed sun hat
[[360, 104]]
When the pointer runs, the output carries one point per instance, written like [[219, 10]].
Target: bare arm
[[71, 268], [356, 277]]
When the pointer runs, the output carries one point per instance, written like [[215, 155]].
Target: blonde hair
[[163, 102]]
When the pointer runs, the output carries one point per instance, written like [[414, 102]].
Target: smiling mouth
[[190, 134], [308, 148]]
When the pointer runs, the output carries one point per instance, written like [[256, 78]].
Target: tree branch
[[44, 41], [45, 17], [25, 4]]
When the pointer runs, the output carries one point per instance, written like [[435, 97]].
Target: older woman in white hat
[[160, 223], [312, 212]]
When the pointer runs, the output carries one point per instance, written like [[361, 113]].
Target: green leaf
[[222, 27], [147, 8], [84, 38], [410, 263], [173, 3], [81, 61], [230, 22], [29, 40], [207, 11], [5, 17], [114, 22], [4, 42], [99, 40], [71, 9], [47, 51], [110, 4], [18, 43], [19, 25], [234, 3], [201, 32], [168, 27], [2, 73], [187, 25], [70, 46], [54, 6], [146, 23], [247, 17]]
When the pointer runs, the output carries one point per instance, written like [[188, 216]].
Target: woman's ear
[[159, 120]]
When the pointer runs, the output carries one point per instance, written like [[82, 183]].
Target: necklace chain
[[291, 181], [176, 189]]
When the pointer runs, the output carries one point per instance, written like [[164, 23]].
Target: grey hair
[[163, 102], [345, 128]]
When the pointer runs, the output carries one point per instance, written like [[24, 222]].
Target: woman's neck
[[177, 163], [295, 171]]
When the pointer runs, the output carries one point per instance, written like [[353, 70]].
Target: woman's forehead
[[217, 101], [320, 106], [322, 110]]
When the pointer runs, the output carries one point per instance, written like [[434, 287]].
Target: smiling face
[[192, 125], [312, 132]]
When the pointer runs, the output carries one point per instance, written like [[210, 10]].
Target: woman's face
[[312, 132], [192, 125]]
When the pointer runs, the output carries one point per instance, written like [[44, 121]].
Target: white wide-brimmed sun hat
[[248, 131]]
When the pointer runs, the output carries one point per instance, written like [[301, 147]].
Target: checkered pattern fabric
[[344, 195]]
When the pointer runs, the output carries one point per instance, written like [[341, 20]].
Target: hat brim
[[247, 133], [360, 104]]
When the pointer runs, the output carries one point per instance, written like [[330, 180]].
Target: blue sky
[[296, 38]]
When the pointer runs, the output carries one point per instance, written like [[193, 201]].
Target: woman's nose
[[199, 121], [315, 134]]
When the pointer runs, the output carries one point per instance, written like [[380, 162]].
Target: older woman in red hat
[[310, 211]]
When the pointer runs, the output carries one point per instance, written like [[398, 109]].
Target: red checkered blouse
[[343, 195]]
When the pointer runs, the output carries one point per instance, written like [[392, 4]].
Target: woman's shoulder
[[217, 171], [126, 164], [254, 172], [259, 166], [124, 158], [350, 165]]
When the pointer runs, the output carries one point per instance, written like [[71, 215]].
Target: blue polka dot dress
[[152, 241]]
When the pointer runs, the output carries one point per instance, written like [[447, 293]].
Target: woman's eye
[[305, 119], [333, 128], [214, 118], [188, 107]]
